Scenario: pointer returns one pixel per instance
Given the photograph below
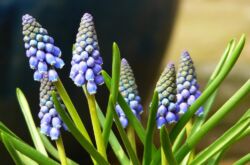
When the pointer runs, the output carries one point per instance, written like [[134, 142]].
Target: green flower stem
[[61, 151], [147, 154], [244, 160], [53, 151], [116, 65], [96, 125], [71, 109], [167, 147], [209, 90], [30, 122], [163, 157], [131, 137], [188, 131], [77, 134], [115, 145], [193, 140]]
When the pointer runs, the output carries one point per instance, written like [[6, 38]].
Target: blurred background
[[149, 34]]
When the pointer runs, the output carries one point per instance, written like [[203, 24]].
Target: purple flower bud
[[171, 117], [46, 118], [89, 75], [56, 122], [160, 122], [40, 55], [45, 129], [54, 133], [124, 121], [91, 87], [49, 48], [79, 80], [53, 76], [99, 80], [50, 59], [40, 45], [56, 51], [33, 62], [32, 51], [59, 63], [42, 67], [90, 62], [82, 67]]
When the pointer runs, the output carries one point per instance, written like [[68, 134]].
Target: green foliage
[[175, 148]]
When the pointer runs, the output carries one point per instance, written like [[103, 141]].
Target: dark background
[[140, 27]]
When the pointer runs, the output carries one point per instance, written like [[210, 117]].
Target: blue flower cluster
[[187, 86], [50, 121], [166, 88], [86, 61], [43, 55], [128, 89]]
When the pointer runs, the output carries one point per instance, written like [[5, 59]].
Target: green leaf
[[209, 90], [11, 150], [221, 142], [53, 151], [147, 154], [244, 160], [30, 122], [28, 150], [113, 92], [71, 109], [208, 104], [194, 139], [125, 140], [77, 134], [115, 145], [166, 146]]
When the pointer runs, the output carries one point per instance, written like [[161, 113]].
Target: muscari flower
[[43, 55], [166, 87], [50, 122], [128, 89], [86, 61], [187, 86]]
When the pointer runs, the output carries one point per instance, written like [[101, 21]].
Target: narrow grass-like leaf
[[209, 90], [77, 134], [28, 150], [71, 109], [13, 153], [116, 64], [167, 147], [30, 122], [179, 140], [125, 140], [244, 160], [200, 120], [115, 145], [53, 151], [147, 154], [216, 146], [194, 139]]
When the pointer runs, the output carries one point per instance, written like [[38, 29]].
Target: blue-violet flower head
[[166, 87], [43, 55], [128, 89], [87, 61], [50, 122], [187, 86]]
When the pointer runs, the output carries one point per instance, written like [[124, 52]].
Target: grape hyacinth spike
[[87, 61], [128, 89], [43, 55], [166, 87], [187, 86], [50, 122]]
